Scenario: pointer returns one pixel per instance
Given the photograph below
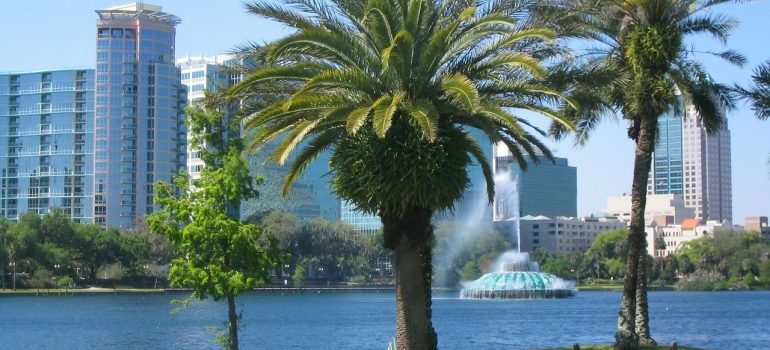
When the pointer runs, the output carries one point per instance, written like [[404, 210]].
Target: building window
[[185, 76], [196, 88], [197, 74]]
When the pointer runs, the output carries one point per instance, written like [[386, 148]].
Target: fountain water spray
[[513, 275]]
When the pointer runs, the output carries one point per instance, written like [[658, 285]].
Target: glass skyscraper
[[46, 142], [548, 188], [139, 131], [690, 162]]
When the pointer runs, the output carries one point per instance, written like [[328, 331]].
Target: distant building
[[309, 197], [758, 224], [694, 164], [562, 234], [547, 188], [199, 74], [46, 142], [139, 130], [657, 205], [672, 237]]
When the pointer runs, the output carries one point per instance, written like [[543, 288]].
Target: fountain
[[514, 276]]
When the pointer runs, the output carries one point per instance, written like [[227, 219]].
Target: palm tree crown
[[392, 85]]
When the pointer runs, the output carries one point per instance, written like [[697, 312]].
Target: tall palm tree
[[391, 89], [643, 41]]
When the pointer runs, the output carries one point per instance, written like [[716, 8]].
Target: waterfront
[[712, 320]]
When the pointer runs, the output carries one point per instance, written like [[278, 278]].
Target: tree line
[[726, 260], [52, 250]]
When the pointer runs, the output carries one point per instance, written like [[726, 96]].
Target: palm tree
[[758, 93], [391, 88], [643, 42]]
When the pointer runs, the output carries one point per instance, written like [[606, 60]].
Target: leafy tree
[[645, 43], [220, 256], [56, 227], [282, 226], [98, 247], [391, 87], [298, 278]]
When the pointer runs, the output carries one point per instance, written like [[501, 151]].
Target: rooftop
[[138, 10]]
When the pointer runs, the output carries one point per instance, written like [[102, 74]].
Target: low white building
[[562, 234], [657, 205], [673, 237]]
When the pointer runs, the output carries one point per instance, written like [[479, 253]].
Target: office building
[[757, 224], [546, 188], [563, 234], [692, 163], [199, 74], [46, 142], [139, 130], [668, 205]]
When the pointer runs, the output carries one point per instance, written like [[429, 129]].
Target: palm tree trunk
[[642, 315], [625, 336], [232, 340], [411, 238]]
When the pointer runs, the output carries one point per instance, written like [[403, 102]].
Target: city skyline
[[609, 151]]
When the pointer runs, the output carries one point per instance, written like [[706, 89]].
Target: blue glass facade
[[667, 159], [46, 142], [547, 188], [139, 132]]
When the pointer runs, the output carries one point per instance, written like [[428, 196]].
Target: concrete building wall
[[657, 205], [563, 234]]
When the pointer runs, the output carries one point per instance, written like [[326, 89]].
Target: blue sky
[[38, 34]]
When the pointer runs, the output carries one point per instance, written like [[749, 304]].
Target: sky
[[36, 34]]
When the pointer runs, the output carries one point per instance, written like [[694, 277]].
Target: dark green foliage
[[332, 252], [403, 168], [55, 244], [734, 259], [471, 271]]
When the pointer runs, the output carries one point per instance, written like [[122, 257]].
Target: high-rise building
[[546, 188], [692, 163], [199, 74], [139, 132], [46, 142], [309, 197]]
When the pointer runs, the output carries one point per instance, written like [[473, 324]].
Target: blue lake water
[[713, 320]]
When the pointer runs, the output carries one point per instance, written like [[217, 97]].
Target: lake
[[713, 320]]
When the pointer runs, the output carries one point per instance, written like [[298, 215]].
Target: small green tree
[[220, 256], [299, 277]]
